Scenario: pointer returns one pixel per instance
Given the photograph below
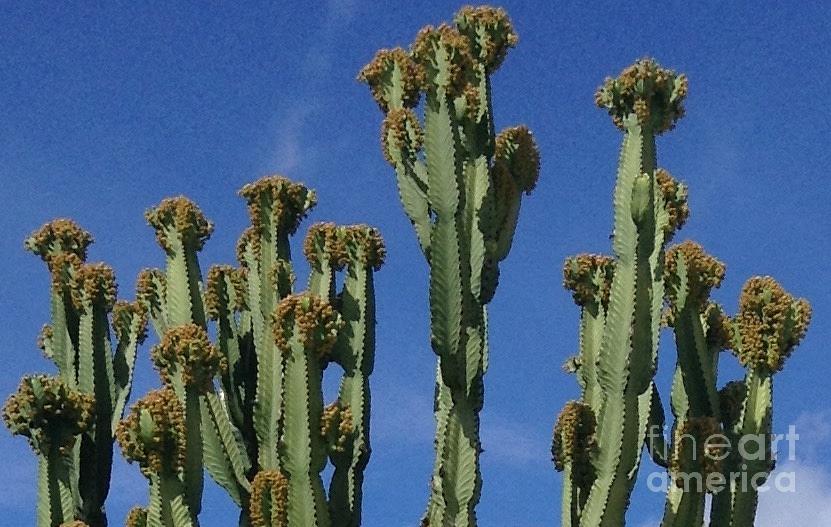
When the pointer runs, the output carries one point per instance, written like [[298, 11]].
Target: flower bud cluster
[[674, 194], [337, 425], [770, 324], [401, 131], [269, 499], [187, 350], [575, 440], [393, 71], [48, 412], [285, 201], [697, 449], [310, 319], [516, 147], [444, 55], [220, 278], [93, 284], [180, 216], [59, 236], [153, 433], [654, 95], [589, 278], [490, 32], [704, 272]]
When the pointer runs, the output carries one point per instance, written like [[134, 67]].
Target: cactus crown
[[654, 95], [186, 349], [311, 319], [153, 433], [125, 315], [216, 292], [589, 278], [516, 147], [324, 244], [704, 272], [62, 269], [59, 236], [574, 439], [393, 78], [48, 412], [269, 496], [285, 201], [770, 324], [137, 517], [675, 201], [179, 216], [93, 284], [365, 246], [444, 53], [337, 425], [694, 450], [489, 31], [401, 130]]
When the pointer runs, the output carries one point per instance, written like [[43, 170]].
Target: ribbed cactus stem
[[305, 329], [643, 102], [355, 352]]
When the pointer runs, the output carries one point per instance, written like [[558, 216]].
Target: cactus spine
[[462, 196], [79, 340], [598, 440]]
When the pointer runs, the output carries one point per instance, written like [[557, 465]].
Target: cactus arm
[[132, 333], [356, 349], [592, 321], [655, 440], [303, 452], [184, 297]]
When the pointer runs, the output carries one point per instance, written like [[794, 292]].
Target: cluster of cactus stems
[[70, 418], [247, 404], [625, 300], [461, 186]]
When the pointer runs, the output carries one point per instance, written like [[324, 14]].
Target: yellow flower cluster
[[704, 272], [269, 496], [337, 425], [59, 236], [490, 32], [654, 95], [182, 216], [48, 412], [401, 131], [436, 48], [94, 283], [187, 350], [285, 201], [698, 448], [324, 242], [770, 324], [390, 67], [516, 147], [309, 318], [674, 194], [137, 517], [216, 293], [153, 433], [589, 278], [574, 440], [125, 315]]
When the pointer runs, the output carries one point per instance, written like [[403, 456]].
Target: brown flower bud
[[187, 350], [394, 79], [153, 433], [179, 221], [59, 236], [589, 278], [489, 31]]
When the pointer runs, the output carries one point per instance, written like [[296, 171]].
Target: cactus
[[463, 197], [85, 317], [598, 440], [265, 418]]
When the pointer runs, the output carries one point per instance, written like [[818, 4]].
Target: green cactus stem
[[460, 185], [51, 415]]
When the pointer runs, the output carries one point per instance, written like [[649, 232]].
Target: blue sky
[[106, 109]]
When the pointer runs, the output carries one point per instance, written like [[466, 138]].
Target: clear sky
[[107, 108]]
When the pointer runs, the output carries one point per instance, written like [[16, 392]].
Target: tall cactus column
[[460, 185]]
